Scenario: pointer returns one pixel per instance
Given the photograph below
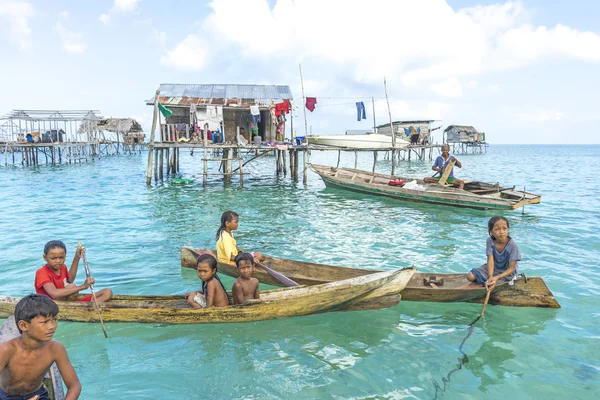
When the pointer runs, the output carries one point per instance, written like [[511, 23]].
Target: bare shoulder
[[56, 348], [254, 281], [237, 284], [8, 348]]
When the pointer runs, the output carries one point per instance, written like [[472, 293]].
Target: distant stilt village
[[231, 125]]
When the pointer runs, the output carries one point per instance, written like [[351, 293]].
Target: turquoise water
[[133, 234]]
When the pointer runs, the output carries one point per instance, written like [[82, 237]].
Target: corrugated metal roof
[[228, 95]]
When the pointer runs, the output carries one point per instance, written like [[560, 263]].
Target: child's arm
[[69, 290], [256, 291], [73, 270], [490, 270], [238, 293], [190, 299], [509, 271], [6, 352], [210, 294], [66, 371]]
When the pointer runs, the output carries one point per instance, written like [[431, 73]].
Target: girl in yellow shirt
[[227, 248]]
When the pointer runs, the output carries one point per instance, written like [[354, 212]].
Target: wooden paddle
[[280, 277], [447, 171], [485, 303], [87, 273]]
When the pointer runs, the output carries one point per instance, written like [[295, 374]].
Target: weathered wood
[[53, 380], [278, 303], [378, 184], [447, 171], [456, 288]]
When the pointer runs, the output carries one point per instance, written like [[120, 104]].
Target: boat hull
[[371, 141], [532, 292], [379, 288], [378, 184]]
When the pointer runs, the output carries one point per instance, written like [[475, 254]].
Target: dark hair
[[242, 257], [53, 244], [227, 216], [208, 259], [33, 305], [493, 221]]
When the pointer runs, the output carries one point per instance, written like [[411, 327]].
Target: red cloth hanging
[[279, 107], [310, 103]]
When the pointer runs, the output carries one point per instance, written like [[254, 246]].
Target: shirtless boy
[[245, 287], [25, 360]]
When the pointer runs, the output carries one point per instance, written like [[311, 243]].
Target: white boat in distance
[[361, 141]]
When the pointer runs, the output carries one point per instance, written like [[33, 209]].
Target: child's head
[[244, 262], [206, 265], [229, 221], [498, 226], [30, 307], [55, 253]]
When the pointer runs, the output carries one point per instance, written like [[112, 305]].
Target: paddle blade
[[280, 277]]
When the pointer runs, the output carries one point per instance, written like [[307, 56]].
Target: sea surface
[[133, 234]]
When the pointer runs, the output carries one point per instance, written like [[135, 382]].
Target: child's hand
[[491, 283], [88, 282], [80, 251], [185, 296]]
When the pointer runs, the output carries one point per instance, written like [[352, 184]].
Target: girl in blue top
[[502, 256]]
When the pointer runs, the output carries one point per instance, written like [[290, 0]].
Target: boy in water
[[54, 281], [25, 360], [245, 287]]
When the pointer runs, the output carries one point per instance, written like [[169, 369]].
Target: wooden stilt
[[155, 165], [160, 173]]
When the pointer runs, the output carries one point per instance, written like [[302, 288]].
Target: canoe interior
[[53, 379], [304, 273], [475, 192]]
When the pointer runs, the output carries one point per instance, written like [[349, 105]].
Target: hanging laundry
[[164, 111], [435, 129], [220, 113], [360, 110], [211, 112], [310, 103], [282, 107], [254, 110]]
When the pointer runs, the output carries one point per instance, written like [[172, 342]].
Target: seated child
[[54, 281], [245, 287], [227, 248], [25, 360], [213, 293]]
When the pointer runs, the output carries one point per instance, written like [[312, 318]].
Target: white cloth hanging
[[254, 110]]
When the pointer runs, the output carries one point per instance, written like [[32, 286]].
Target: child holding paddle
[[25, 360], [213, 293], [54, 281], [502, 256], [227, 248], [245, 287]]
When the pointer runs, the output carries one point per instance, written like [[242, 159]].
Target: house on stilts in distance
[[464, 139]]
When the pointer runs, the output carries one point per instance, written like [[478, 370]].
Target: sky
[[524, 72]]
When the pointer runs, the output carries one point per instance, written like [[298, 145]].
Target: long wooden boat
[[478, 195], [526, 292], [362, 141], [278, 303], [53, 379]]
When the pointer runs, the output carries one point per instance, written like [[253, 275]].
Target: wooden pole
[[374, 160], [151, 145], [392, 128], [374, 125], [87, 273], [355, 159], [305, 159], [161, 164], [205, 161]]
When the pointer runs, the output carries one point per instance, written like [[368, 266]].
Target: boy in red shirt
[[54, 281]]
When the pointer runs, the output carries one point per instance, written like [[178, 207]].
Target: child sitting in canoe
[[502, 256], [54, 281], [245, 287], [25, 360], [227, 248], [213, 293]]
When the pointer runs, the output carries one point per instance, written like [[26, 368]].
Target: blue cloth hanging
[[360, 110]]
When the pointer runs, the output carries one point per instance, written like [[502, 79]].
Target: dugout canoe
[[526, 292], [53, 379], [278, 303], [479, 195]]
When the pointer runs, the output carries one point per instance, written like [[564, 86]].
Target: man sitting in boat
[[440, 165]]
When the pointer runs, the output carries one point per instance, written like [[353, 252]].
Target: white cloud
[[188, 55], [16, 15], [462, 43], [119, 7], [540, 116], [72, 41], [451, 87]]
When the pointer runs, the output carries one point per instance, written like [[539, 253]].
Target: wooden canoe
[[478, 195], [53, 379], [278, 303], [532, 292]]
